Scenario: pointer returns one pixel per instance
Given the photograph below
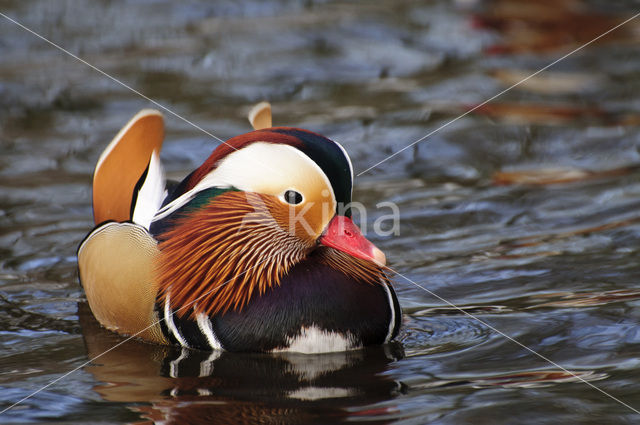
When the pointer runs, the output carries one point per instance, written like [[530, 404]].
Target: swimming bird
[[255, 250]]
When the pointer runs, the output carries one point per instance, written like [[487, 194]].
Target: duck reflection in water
[[178, 385]]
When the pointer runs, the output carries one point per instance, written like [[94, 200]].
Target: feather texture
[[122, 164], [115, 263], [227, 260], [215, 258]]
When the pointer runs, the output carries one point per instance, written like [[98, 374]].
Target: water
[[523, 214]]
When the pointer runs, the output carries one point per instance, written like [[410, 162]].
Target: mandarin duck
[[255, 250]]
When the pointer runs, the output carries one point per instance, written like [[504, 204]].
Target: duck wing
[[116, 261]]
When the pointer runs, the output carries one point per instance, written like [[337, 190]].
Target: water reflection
[[187, 386], [523, 379], [524, 213]]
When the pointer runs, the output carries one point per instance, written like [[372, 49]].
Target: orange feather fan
[[215, 258]]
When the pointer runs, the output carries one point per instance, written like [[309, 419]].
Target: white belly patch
[[312, 340]]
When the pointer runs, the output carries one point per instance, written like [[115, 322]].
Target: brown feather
[[216, 258], [359, 270], [122, 163]]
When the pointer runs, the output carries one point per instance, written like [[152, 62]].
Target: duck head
[[260, 204]]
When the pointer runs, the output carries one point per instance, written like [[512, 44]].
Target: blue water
[[522, 214]]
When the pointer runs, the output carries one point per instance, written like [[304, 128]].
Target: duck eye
[[292, 197]]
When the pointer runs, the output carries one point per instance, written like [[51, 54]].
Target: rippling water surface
[[519, 221]]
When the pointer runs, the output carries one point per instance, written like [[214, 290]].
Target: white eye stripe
[[233, 171]]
